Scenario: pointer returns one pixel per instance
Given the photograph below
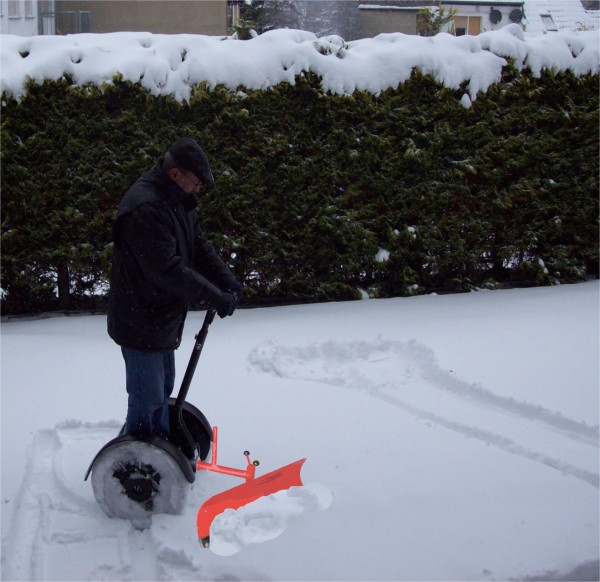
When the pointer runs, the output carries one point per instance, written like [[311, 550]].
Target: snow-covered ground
[[447, 438]]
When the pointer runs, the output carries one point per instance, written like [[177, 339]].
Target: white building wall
[[19, 17]]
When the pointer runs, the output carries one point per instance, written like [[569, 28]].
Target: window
[[29, 9], [548, 22], [467, 25], [14, 8]]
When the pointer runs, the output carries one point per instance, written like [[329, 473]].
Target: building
[[219, 17], [476, 16], [376, 17], [470, 16], [23, 17], [31, 17], [158, 16]]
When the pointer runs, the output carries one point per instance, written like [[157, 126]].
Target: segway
[[135, 476]]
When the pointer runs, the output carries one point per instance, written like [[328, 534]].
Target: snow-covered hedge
[[174, 64], [442, 173]]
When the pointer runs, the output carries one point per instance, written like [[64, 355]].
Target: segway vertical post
[[189, 374]]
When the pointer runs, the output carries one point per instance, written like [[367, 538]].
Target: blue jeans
[[150, 378]]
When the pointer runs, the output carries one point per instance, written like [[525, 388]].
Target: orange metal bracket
[[251, 490]]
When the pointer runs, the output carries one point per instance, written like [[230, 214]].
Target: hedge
[[319, 197]]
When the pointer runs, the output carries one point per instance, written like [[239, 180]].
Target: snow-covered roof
[[565, 14]]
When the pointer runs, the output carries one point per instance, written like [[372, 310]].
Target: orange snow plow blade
[[251, 490]]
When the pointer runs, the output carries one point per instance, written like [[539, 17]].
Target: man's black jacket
[[161, 262]]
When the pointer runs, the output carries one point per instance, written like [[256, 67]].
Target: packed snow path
[[448, 437]]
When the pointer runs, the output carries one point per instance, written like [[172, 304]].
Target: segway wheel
[[134, 479]]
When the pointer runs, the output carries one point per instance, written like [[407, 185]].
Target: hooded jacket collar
[[172, 191]]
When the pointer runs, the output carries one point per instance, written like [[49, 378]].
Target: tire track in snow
[[58, 532], [499, 441], [55, 529], [397, 372], [142, 556]]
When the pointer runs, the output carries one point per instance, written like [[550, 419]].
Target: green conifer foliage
[[310, 186]]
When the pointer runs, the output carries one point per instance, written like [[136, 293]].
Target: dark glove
[[225, 305], [237, 290]]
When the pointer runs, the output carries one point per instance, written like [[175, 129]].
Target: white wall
[[19, 17]]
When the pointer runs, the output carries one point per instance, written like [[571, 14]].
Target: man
[[162, 261]]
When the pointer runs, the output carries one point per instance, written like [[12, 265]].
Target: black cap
[[189, 155]]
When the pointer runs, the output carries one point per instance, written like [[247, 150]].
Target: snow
[[265, 519], [382, 255], [447, 437], [566, 14], [173, 64]]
